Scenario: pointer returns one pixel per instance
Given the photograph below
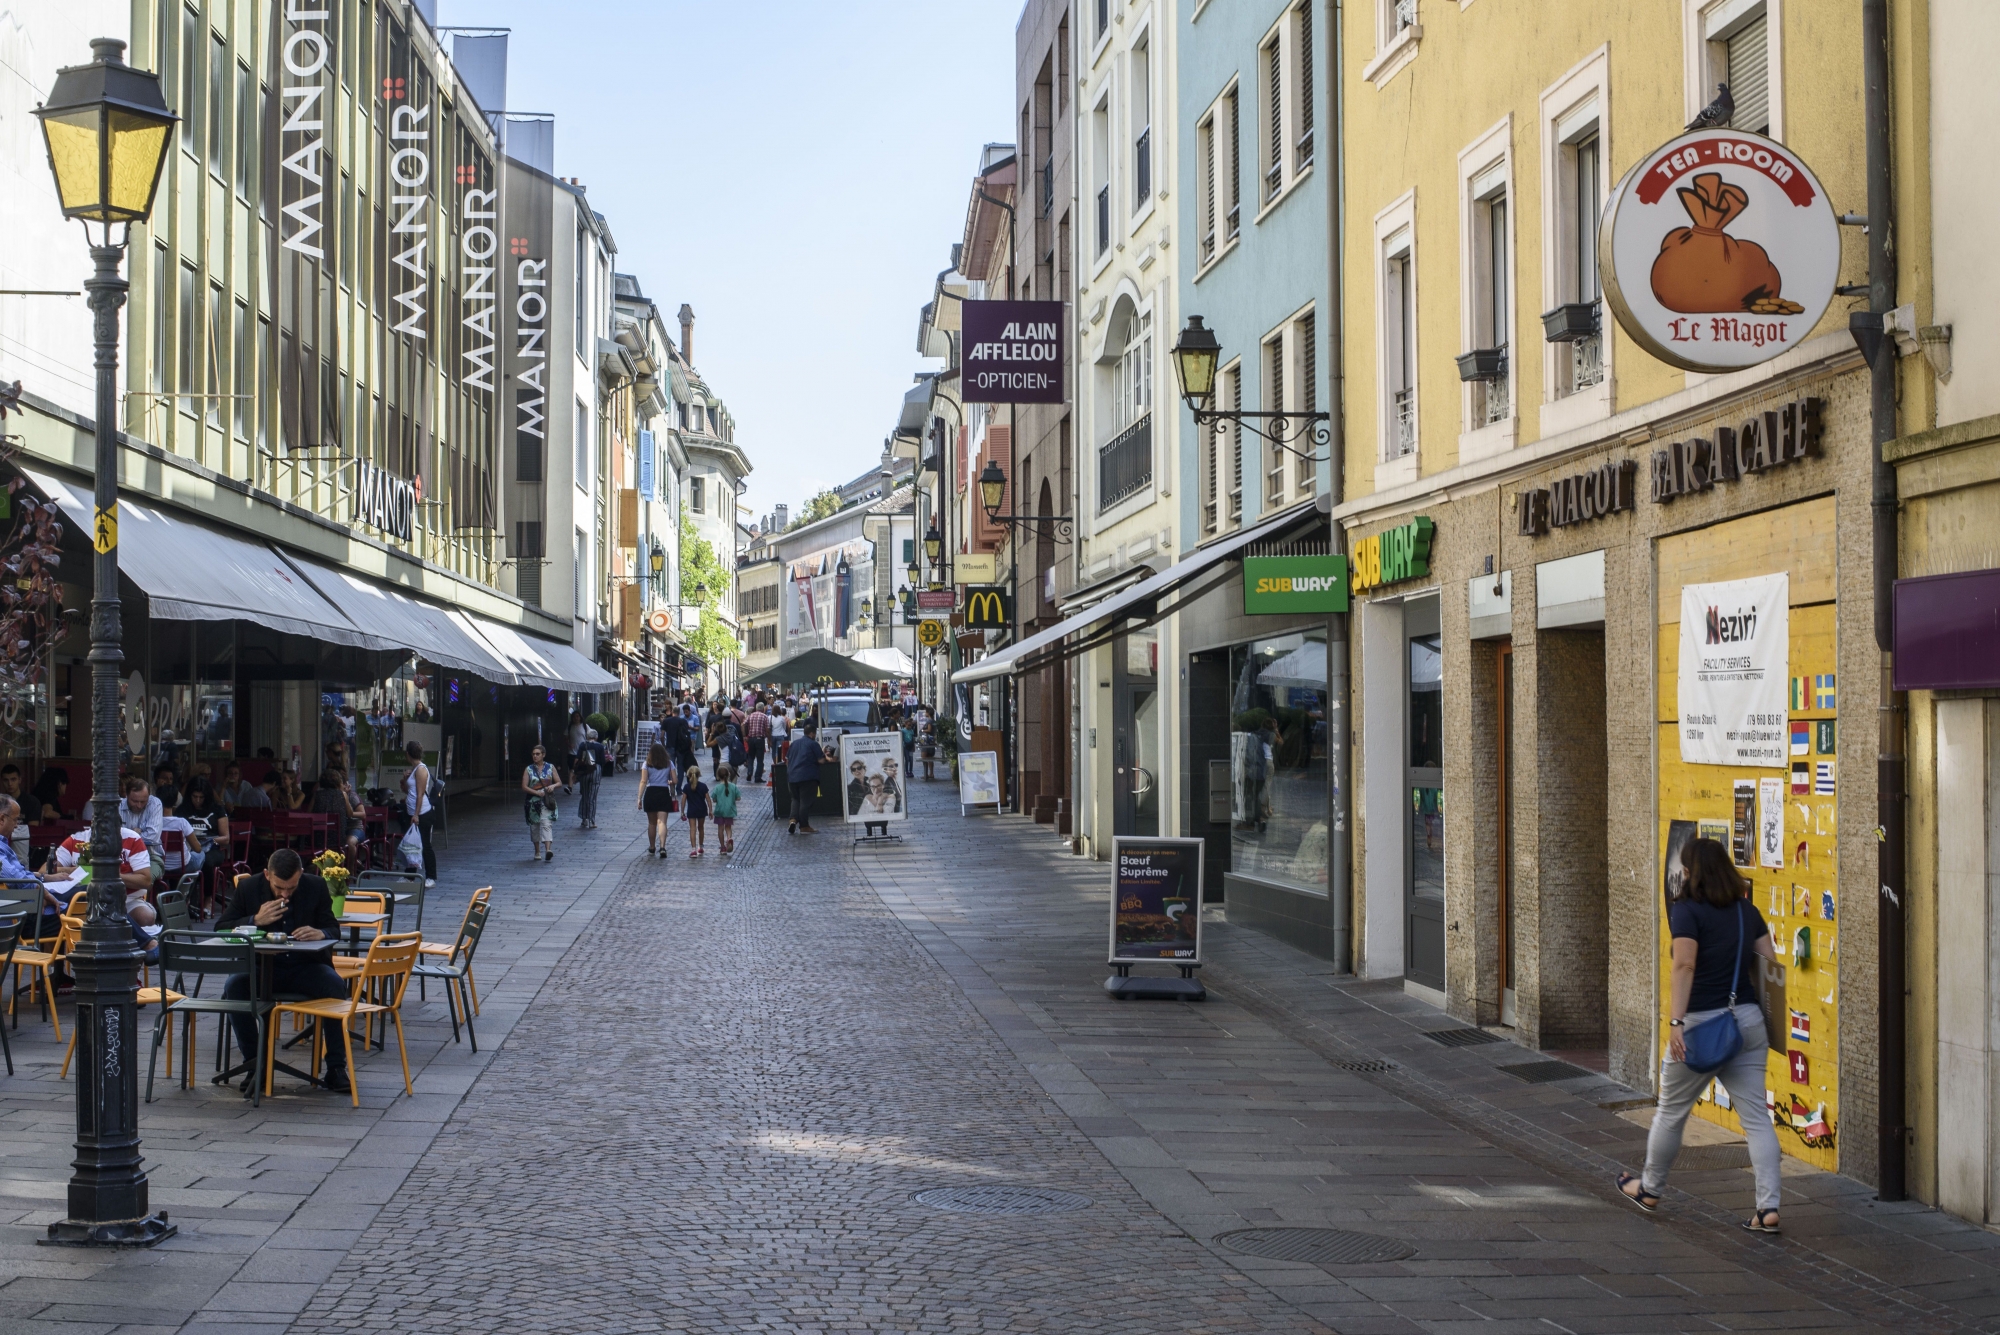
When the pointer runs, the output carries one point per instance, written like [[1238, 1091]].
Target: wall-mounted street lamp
[[1197, 356], [107, 130], [993, 489]]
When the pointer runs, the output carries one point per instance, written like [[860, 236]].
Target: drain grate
[[1462, 1038], [1316, 1246], [1364, 1064], [1541, 1073], [1002, 1200]]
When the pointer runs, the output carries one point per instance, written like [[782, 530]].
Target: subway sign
[[1393, 556], [1273, 585]]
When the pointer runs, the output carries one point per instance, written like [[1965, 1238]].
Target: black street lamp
[[107, 130], [1196, 357], [993, 490]]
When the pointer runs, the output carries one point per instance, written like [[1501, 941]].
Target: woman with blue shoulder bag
[[1715, 1026]]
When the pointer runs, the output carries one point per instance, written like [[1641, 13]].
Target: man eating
[[284, 899]]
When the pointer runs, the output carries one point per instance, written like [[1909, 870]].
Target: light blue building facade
[[1254, 157]]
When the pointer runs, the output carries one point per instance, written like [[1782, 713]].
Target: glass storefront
[[1278, 760]]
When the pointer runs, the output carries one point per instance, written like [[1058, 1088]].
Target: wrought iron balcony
[[1125, 464]]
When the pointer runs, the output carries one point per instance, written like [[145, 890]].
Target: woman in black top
[[1718, 936]]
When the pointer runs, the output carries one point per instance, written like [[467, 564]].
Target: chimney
[[781, 515], [687, 333]]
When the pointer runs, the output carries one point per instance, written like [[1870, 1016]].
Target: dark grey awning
[[1032, 652], [408, 623]]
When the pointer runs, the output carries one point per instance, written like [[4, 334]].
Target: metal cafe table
[[263, 989], [354, 922]]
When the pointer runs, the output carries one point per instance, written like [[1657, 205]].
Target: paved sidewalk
[[269, 1200], [723, 1084]]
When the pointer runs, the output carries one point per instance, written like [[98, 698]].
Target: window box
[[1570, 322], [1483, 364]]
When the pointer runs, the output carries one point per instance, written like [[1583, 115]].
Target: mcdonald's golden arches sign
[[988, 607]]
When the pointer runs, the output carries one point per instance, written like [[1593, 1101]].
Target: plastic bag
[[1702, 269], [411, 848]]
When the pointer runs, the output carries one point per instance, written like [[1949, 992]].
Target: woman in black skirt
[[656, 798]]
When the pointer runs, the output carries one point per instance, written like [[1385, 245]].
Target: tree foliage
[[712, 641], [822, 506]]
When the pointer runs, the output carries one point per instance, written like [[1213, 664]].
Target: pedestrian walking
[[587, 773], [756, 736], [927, 746], [417, 802], [656, 798], [540, 781], [803, 769], [725, 795], [909, 731], [781, 736], [573, 738], [1715, 1026], [694, 809]]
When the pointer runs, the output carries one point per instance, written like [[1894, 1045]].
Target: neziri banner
[[1012, 352], [300, 173], [1735, 645], [1156, 900]]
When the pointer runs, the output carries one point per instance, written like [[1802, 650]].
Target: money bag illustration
[[1704, 270]]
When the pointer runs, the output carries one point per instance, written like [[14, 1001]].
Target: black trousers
[[756, 748], [804, 793], [312, 979]]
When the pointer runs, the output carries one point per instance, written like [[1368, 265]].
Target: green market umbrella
[[817, 666]]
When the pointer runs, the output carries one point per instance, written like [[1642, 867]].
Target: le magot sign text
[[1393, 556], [1274, 585]]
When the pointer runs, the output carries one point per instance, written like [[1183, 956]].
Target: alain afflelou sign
[[1012, 352], [1719, 250]]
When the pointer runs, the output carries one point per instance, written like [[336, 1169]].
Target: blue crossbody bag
[[1714, 1043]]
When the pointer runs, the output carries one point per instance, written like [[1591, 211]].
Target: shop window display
[[1277, 760]]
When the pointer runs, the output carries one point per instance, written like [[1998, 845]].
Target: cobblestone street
[[709, 1094]]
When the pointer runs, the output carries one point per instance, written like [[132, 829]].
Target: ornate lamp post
[[1196, 357], [107, 130], [993, 489]]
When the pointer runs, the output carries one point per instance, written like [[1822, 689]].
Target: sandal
[[1642, 1198], [1756, 1222]]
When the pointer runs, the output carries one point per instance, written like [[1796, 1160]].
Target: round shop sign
[[1720, 250], [660, 621]]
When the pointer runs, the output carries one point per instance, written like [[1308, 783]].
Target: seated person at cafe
[[10, 786], [11, 867], [190, 857], [135, 869], [284, 898], [46, 801], [167, 787], [330, 798], [235, 793], [142, 812]]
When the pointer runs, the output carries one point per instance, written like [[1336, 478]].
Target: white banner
[[1735, 643]]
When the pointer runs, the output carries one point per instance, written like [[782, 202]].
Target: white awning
[[1304, 668], [390, 614], [190, 572], [538, 662], [889, 659], [1147, 591]]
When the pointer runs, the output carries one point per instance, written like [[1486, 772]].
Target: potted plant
[[332, 868]]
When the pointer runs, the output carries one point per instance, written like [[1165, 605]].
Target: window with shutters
[[1302, 64], [1284, 114], [1100, 177], [1229, 393], [1217, 202], [218, 107], [1305, 398], [1271, 121], [1275, 401], [1396, 328], [1738, 43], [1575, 351], [1141, 68]]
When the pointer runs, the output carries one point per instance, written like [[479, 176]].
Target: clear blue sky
[[795, 171]]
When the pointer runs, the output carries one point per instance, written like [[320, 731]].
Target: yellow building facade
[[1518, 771]]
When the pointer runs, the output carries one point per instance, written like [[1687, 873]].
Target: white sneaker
[[429, 884]]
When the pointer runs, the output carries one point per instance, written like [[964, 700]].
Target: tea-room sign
[[1720, 250]]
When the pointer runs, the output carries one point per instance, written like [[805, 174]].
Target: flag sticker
[[1801, 1068], [1824, 728], [1823, 691], [1801, 778], [1801, 739], [1801, 1027], [1823, 777], [1801, 696]]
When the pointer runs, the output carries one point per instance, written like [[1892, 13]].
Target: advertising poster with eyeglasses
[[1719, 250], [1156, 900], [873, 783]]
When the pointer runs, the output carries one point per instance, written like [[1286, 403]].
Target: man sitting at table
[[236, 793], [283, 898]]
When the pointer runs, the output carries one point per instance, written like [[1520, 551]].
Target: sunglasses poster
[[872, 778], [1156, 900], [1720, 250]]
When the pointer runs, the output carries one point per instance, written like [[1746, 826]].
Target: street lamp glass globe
[[1195, 359], [107, 131], [992, 482], [658, 560], [933, 542]]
